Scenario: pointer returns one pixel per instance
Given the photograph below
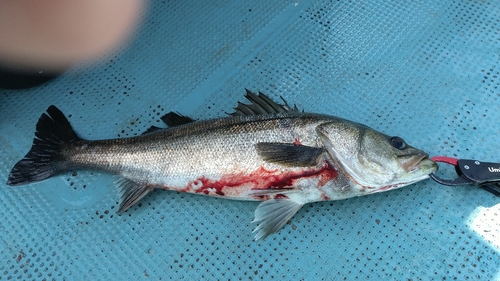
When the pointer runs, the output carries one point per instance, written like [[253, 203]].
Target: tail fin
[[44, 159]]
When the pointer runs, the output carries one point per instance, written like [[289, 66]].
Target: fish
[[264, 151]]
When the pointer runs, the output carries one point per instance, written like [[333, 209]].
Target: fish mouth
[[419, 167], [415, 162]]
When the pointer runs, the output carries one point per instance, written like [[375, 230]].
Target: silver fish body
[[215, 157], [269, 152]]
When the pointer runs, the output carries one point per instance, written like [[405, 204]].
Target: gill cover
[[373, 159]]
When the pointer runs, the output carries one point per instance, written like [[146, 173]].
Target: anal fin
[[273, 214], [131, 192]]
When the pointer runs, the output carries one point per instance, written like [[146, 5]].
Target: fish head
[[372, 159]]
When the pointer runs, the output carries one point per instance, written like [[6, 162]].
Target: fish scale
[[266, 151]]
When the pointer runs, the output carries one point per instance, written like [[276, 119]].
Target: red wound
[[261, 179]]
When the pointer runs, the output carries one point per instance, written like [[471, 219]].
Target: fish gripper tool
[[485, 175]]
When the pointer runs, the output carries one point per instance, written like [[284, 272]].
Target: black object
[[485, 175], [14, 79]]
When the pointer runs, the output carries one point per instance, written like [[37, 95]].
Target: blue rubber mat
[[424, 70]]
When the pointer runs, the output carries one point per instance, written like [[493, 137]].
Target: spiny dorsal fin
[[261, 104]]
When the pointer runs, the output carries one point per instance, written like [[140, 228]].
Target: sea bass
[[265, 151]]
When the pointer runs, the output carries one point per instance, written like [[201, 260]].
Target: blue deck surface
[[427, 71]]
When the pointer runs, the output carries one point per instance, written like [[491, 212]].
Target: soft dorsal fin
[[152, 129], [173, 119], [261, 104]]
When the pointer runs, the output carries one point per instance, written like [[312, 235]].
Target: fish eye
[[398, 143]]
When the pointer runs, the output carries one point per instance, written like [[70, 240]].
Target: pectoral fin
[[131, 192], [272, 215], [289, 154]]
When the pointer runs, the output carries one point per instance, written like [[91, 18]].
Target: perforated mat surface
[[424, 70]]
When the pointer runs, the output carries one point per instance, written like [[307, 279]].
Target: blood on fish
[[327, 175], [260, 179], [297, 142]]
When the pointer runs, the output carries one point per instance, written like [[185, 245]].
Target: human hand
[[55, 34]]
